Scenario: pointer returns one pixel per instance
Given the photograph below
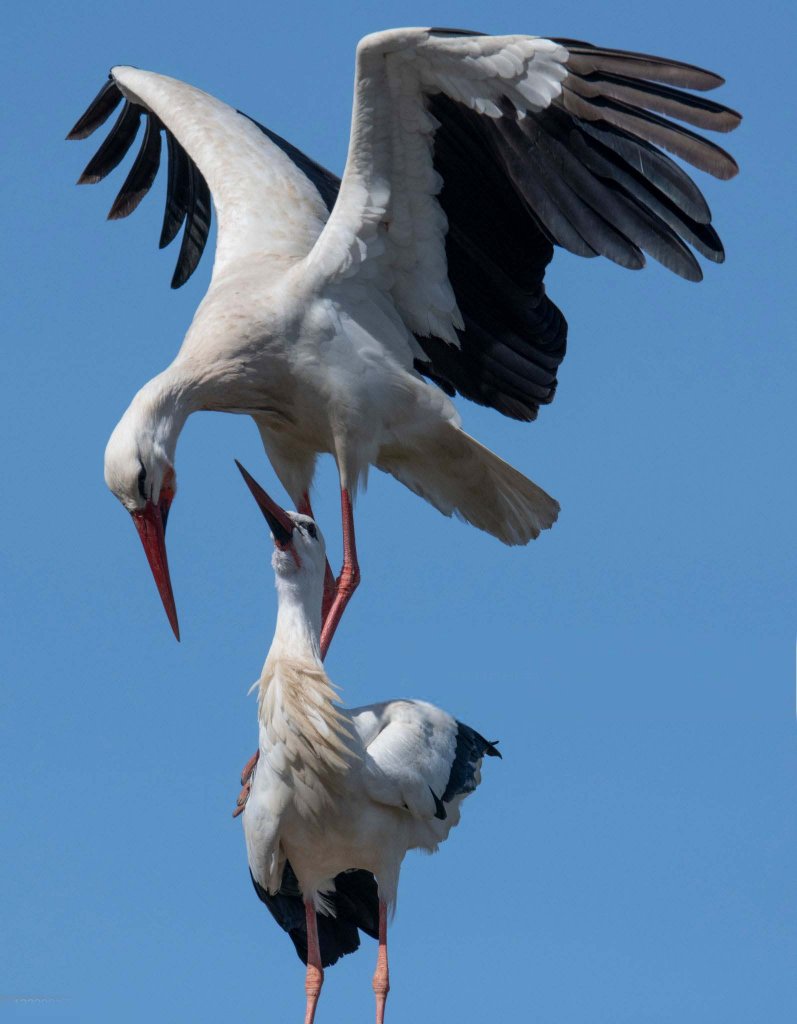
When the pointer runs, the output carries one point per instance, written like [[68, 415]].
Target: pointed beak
[[151, 525], [279, 522]]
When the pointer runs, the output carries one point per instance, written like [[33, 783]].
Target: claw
[[249, 767], [240, 803]]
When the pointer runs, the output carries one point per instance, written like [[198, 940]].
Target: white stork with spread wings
[[471, 156], [339, 796]]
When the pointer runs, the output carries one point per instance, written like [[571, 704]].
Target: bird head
[[141, 475], [299, 548]]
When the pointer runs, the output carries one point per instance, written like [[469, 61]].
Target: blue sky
[[632, 857]]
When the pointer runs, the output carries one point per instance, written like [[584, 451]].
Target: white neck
[[160, 409], [297, 706], [298, 632]]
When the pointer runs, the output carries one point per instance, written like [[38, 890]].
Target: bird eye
[[312, 530], [142, 479]]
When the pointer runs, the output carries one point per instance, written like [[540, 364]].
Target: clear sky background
[[632, 858]]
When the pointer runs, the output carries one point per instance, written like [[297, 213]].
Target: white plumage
[[333, 304], [389, 169], [340, 795]]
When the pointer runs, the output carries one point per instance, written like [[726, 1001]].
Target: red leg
[[381, 974], [330, 588], [314, 978], [349, 578]]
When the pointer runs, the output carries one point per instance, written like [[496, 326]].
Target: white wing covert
[[410, 748], [387, 223], [419, 757], [472, 157], [266, 200]]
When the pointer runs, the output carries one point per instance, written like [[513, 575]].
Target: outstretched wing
[[471, 156], [268, 196]]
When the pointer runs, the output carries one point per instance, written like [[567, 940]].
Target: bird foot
[[246, 783], [249, 767], [348, 581], [240, 803]]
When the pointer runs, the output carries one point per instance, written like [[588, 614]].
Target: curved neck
[[159, 410]]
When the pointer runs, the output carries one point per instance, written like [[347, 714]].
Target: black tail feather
[[356, 905], [470, 749]]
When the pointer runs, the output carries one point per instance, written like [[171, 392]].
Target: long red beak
[[151, 525], [280, 523]]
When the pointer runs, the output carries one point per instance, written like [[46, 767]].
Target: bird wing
[[471, 156], [269, 197], [411, 750], [263, 815]]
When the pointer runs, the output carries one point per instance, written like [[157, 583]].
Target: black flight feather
[[139, 181], [176, 191], [695, 110], [701, 153], [653, 165], [197, 226], [585, 174], [115, 147], [356, 905], [497, 254], [602, 162], [98, 111], [585, 58], [635, 221]]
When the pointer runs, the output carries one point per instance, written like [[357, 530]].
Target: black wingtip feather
[[585, 58], [683, 106], [197, 227], [638, 157], [142, 173], [694, 149], [115, 147], [97, 112], [176, 192]]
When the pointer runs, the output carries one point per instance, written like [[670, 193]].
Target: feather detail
[[307, 736]]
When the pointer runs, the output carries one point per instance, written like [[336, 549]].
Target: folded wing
[[418, 757]]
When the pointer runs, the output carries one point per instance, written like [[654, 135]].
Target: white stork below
[[339, 796]]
